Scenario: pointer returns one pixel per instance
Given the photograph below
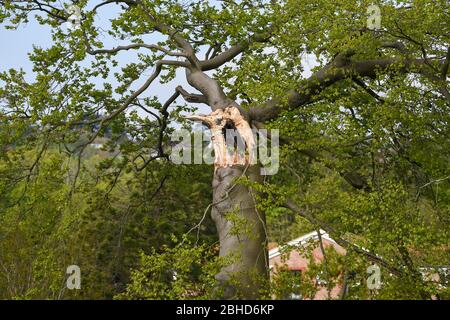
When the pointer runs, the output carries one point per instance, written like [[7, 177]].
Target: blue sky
[[18, 43]]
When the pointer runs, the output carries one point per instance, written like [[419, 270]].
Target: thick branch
[[213, 92], [231, 53], [340, 68], [191, 97], [180, 41]]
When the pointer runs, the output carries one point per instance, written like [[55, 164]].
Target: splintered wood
[[232, 138]]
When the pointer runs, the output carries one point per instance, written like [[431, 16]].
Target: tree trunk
[[241, 228]]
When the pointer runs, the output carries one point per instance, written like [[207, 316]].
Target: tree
[[373, 112]]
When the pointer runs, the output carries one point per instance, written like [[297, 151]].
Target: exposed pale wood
[[217, 121]]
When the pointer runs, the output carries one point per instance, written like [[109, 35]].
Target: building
[[290, 257], [296, 262]]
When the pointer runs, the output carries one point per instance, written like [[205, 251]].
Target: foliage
[[183, 272], [366, 155]]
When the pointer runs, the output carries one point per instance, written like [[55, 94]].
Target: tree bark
[[240, 226]]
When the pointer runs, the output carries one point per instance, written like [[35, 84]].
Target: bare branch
[[192, 97], [162, 128], [137, 93], [152, 47], [129, 2], [56, 13], [361, 83]]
